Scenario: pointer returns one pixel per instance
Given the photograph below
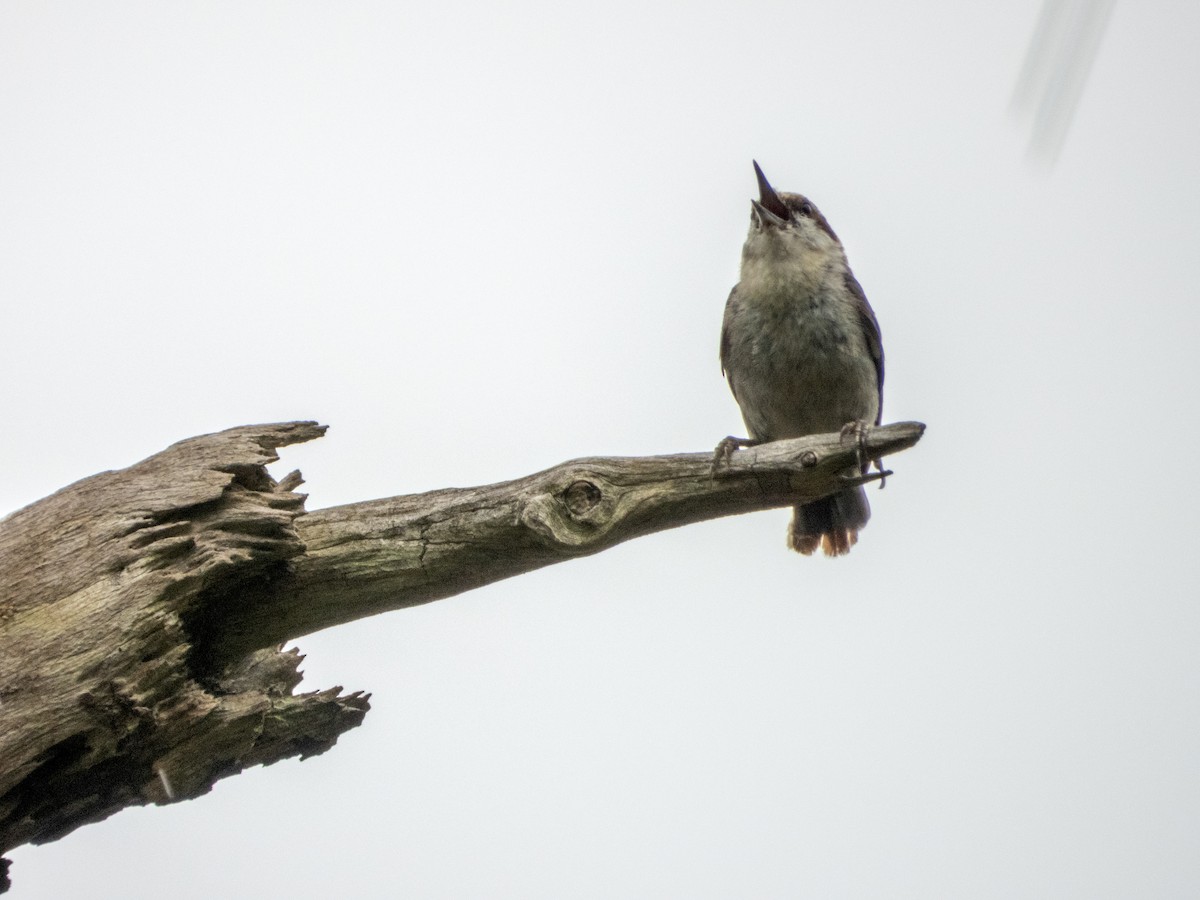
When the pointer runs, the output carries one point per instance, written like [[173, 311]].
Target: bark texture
[[142, 611], [100, 705]]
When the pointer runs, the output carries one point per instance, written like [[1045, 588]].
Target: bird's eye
[[805, 209]]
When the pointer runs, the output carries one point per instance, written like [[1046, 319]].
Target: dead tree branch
[[141, 611]]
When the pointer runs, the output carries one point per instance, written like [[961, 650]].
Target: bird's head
[[784, 225]]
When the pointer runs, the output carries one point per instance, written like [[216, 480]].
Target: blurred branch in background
[[1056, 69]]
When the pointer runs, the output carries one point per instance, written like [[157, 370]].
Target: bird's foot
[[866, 478], [725, 450], [859, 430]]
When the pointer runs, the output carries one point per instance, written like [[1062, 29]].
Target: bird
[[802, 351]]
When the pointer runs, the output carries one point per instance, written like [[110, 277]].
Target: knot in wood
[[581, 497], [808, 459]]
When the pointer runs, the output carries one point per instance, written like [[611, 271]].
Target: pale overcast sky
[[479, 239]]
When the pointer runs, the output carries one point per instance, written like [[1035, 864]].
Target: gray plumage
[[801, 349]]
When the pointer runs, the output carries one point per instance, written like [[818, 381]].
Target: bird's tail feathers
[[831, 523]]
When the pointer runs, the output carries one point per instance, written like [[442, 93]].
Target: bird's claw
[[725, 450], [865, 478], [859, 430]]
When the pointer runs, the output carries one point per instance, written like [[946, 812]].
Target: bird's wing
[[731, 306], [870, 327]]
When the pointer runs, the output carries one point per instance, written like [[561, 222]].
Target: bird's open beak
[[764, 217], [768, 207]]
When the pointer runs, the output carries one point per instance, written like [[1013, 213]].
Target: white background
[[480, 239]]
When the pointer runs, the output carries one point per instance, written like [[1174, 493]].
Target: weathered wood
[[367, 558], [100, 706], [141, 611]]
